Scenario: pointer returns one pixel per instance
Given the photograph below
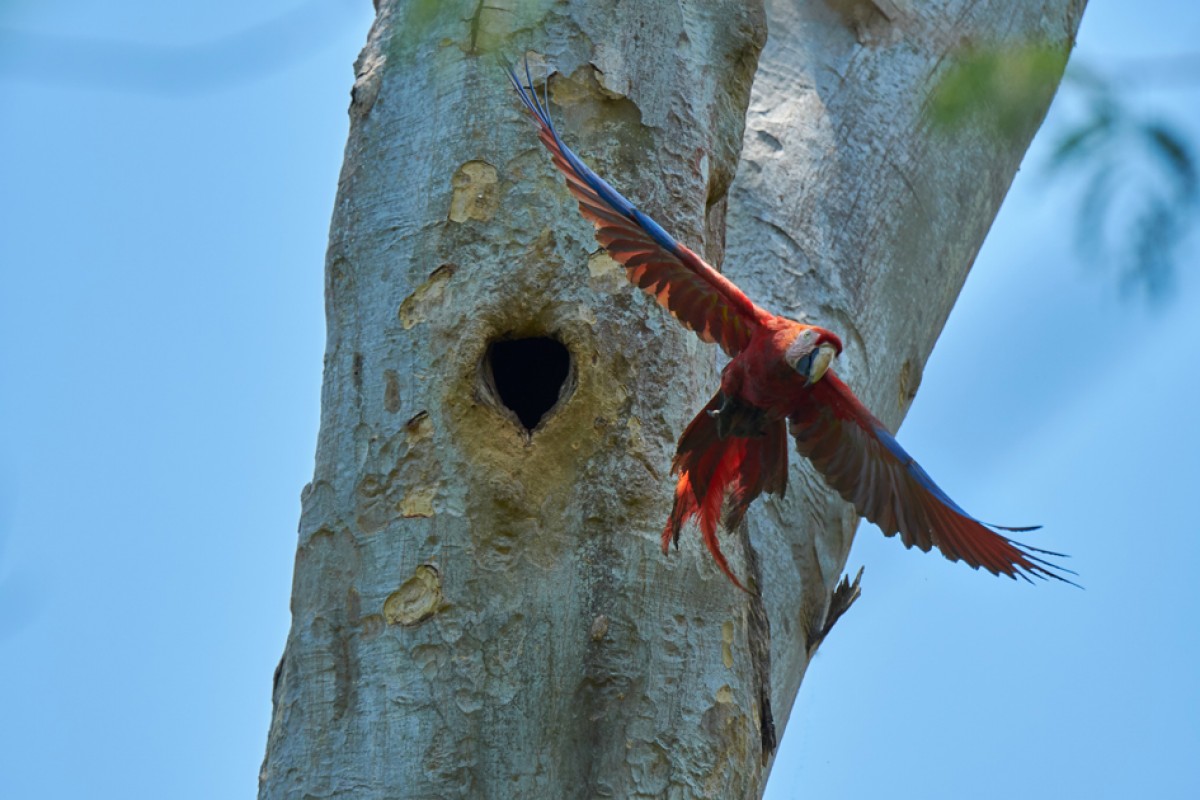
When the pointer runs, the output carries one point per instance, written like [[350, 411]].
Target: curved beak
[[814, 365]]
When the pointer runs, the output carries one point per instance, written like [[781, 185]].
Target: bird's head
[[811, 352]]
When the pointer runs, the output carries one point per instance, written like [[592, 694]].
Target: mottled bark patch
[[371, 513], [606, 274], [346, 671], [418, 428], [649, 769], [492, 24], [430, 659], [417, 502], [391, 390], [371, 625], [410, 488], [428, 296], [870, 20], [417, 599], [476, 192], [356, 374], [727, 728], [908, 383], [727, 644]]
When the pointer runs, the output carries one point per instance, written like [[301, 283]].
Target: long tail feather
[[727, 475]]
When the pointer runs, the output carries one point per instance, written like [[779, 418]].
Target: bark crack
[[758, 635]]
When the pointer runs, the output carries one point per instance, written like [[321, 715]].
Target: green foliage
[[420, 19], [1141, 186], [1000, 89], [1140, 179], [474, 27]]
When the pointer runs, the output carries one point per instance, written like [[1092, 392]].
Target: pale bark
[[851, 210], [481, 613]]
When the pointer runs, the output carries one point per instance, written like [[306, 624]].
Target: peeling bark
[[480, 609]]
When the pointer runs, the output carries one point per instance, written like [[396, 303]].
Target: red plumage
[[735, 449], [726, 473]]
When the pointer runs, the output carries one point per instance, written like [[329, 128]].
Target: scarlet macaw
[[735, 448]]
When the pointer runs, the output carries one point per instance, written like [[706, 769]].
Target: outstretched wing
[[682, 282], [868, 467]]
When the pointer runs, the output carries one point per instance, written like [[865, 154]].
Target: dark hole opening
[[528, 375]]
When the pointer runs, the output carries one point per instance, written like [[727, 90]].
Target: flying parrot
[[779, 379]]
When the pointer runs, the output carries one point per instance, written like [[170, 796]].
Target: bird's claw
[[843, 597]]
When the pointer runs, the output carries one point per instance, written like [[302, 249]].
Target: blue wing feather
[[922, 477], [679, 280], [601, 187]]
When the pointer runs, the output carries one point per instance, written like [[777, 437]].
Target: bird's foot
[[739, 419], [843, 597]]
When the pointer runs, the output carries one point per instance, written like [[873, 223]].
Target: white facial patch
[[801, 346], [809, 361]]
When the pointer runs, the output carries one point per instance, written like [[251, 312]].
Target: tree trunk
[[480, 608], [853, 211]]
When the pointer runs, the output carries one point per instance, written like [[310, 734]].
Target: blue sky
[[161, 335]]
